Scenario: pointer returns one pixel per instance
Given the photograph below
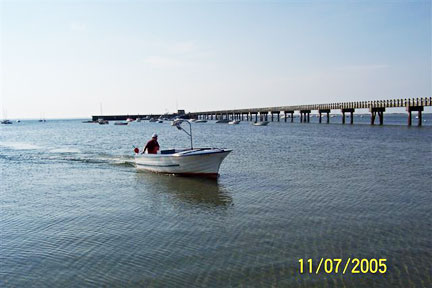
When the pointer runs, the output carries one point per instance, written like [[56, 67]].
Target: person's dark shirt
[[152, 146]]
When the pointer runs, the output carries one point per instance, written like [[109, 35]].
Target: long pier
[[376, 108]]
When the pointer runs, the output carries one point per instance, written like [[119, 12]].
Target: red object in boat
[[136, 150]]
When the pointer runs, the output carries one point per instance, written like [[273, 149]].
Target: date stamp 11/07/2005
[[337, 265]]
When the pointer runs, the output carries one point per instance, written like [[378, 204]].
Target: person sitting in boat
[[152, 145]]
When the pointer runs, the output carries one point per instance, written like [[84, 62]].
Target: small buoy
[[136, 150]]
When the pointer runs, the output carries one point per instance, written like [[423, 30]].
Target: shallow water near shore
[[74, 211]]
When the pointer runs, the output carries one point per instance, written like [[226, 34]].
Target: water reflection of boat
[[190, 190]]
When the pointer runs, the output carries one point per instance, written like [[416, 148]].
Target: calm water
[[74, 212]]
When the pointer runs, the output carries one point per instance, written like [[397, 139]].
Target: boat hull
[[187, 163]]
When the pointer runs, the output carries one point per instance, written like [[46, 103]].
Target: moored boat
[[6, 122], [261, 123], [102, 121], [222, 121], [234, 122], [121, 123]]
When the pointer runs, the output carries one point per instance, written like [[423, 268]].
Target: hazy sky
[[62, 59]]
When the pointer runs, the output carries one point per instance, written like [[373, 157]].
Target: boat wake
[[116, 160], [37, 154], [19, 146]]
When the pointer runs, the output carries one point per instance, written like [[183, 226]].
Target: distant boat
[[160, 121], [234, 122], [200, 121], [130, 120], [152, 120], [138, 119], [261, 123], [18, 121], [5, 121], [102, 121], [42, 118], [121, 123], [223, 121]]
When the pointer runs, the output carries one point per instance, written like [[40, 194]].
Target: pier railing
[[393, 103], [375, 107]]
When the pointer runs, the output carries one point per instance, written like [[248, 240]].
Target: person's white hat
[[154, 135]]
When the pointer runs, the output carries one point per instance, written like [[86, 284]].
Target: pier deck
[[376, 108]]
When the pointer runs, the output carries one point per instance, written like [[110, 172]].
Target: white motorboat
[[234, 122], [130, 120], [194, 161], [198, 161], [261, 123]]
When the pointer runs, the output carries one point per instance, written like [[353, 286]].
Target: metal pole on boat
[[190, 129], [177, 123]]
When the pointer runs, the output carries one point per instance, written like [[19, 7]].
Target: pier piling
[[419, 110], [351, 111], [305, 115], [380, 111], [327, 111]]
